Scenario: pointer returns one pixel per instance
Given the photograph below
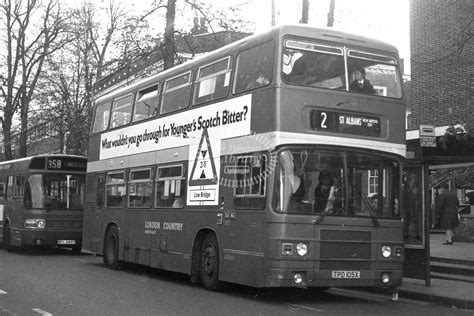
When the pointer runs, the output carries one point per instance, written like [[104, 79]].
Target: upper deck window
[[254, 67], [101, 118], [320, 65], [146, 104], [121, 112], [176, 93], [379, 71], [213, 81], [310, 64]]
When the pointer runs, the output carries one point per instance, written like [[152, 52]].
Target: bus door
[[243, 223], [3, 190]]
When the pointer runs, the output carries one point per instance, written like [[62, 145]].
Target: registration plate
[[346, 274], [66, 242]]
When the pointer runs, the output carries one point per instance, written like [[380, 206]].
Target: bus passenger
[[321, 193], [178, 202], [360, 84], [294, 187], [335, 199]]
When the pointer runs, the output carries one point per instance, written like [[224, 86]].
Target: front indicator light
[[41, 223], [298, 278], [287, 249], [386, 251], [30, 223], [385, 278], [301, 249]]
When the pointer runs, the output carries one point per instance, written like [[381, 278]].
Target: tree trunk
[[332, 6], [24, 105], [7, 135], [305, 12], [168, 57]]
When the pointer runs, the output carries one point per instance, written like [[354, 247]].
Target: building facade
[[442, 100], [442, 62]]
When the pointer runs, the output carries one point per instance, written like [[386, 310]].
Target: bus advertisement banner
[[202, 129]]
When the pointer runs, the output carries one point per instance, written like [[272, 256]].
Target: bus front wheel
[[111, 257], [209, 267]]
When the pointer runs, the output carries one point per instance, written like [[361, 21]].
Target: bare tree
[[304, 12], [28, 45], [332, 6], [67, 85], [228, 20]]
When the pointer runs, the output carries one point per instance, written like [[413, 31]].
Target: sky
[[386, 20]]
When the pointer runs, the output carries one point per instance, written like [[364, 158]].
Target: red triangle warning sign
[[204, 169]]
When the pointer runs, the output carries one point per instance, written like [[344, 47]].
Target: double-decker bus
[[255, 164], [41, 201]]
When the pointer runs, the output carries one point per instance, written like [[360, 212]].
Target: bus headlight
[[386, 251], [35, 223], [301, 249]]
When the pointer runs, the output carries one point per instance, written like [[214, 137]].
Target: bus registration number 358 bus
[[346, 274]]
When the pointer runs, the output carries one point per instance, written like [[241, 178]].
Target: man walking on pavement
[[447, 207]]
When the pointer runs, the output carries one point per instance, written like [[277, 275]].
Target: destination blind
[[343, 122]]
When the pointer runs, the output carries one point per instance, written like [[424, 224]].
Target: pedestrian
[[412, 207], [447, 207]]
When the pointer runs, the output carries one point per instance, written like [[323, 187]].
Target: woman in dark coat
[[447, 207]]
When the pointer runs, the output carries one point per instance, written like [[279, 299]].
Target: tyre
[[209, 265], [111, 257]]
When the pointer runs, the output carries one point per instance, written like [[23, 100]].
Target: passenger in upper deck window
[[360, 84]]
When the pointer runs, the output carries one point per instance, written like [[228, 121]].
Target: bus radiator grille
[[345, 249]]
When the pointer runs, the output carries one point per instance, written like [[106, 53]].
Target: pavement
[[457, 293]]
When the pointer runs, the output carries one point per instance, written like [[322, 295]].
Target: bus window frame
[[3, 187], [107, 184], [158, 179], [158, 86], [245, 197], [139, 181], [236, 74], [387, 60], [196, 84], [113, 110], [96, 107], [165, 90], [313, 47], [18, 186]]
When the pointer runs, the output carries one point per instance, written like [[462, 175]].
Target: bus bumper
[[26, 237], [326, 278]]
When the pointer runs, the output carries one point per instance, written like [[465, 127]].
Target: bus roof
[[325, 34]]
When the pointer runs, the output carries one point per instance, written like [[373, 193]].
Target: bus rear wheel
[[111, 257], [209, 266]]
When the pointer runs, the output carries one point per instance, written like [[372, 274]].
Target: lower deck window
[[140, 188], [170, 187], [250, 180], [116, 189]]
